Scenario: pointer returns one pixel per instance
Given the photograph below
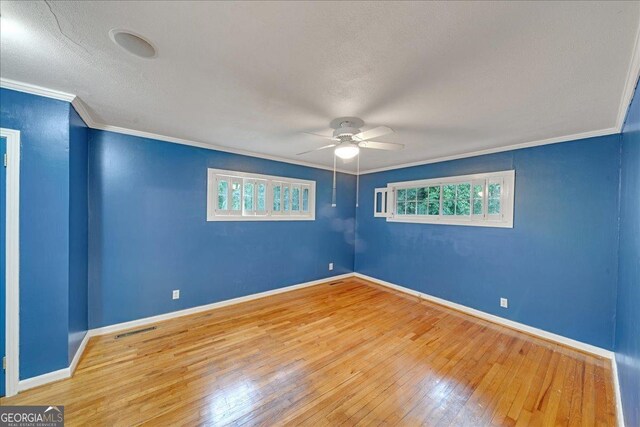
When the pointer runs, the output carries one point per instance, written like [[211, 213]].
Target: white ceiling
[[450, 78]]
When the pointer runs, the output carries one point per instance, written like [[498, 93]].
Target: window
[[380, 202], [239, 196], [480, 200]]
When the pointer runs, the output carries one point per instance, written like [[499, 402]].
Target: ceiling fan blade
[[381, 145], [372, 133], [317, 149], [321, 136]]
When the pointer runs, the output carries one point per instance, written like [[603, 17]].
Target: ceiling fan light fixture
[[347, 151]]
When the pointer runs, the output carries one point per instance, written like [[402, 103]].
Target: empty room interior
[[323, 213]]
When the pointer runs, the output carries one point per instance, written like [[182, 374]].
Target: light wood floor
[[342, 354]]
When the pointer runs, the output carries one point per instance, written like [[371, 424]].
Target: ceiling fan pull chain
[[358, 181], [333, 195]]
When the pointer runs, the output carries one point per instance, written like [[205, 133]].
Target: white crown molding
[[174, 140], [549, 336], [36, 90], [566, 138], [88, 119], [630, 84], [83, 111]]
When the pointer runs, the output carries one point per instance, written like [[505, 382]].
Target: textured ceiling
[[450, 78]]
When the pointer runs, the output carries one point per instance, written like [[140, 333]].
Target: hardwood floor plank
[[353, 353]]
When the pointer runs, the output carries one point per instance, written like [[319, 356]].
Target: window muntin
[[238, 196], [481, 199]]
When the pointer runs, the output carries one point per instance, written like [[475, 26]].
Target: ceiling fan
[[349, 139]]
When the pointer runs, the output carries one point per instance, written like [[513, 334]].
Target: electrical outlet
[[504, 303], [176, 294], [330, 266]]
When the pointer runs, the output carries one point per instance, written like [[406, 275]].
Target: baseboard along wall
[[578, 345]]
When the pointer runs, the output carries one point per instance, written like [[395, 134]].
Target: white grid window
[[478, 200], [239, 196]]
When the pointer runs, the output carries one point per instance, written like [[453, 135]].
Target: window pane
[[402, 195], [248, 196], [285, 199], [463, 199], [464, 191], [434, 208], [494, 206], [295, 199], [401, 207], [477, 191], [448, 207], [223, 194], [434, 193], [411, 194], [411, 208], [276, 198], [236, 195], [262, 197], [494, 190], [449, 192], [422, 207], [305, 200], [477, 206], [422, 193], [462, 207]]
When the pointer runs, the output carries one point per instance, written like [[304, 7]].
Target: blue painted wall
[[78, 231], [628, 310], [557, 266], [44, 228], [148, 232]]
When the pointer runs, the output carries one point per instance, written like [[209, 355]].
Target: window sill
[[260, 218], [447, 221]]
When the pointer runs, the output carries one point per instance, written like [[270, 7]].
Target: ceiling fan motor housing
[[346, 127], [346, 130]]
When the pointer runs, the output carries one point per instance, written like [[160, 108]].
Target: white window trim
[[269, 214], [381, 210], [504, 220]]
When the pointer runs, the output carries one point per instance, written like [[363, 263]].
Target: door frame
[[12, 253]]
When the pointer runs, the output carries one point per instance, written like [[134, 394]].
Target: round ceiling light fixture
[[347, 150], [133, 43]]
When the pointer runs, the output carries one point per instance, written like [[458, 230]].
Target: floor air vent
[[137, 331], [335, 283]]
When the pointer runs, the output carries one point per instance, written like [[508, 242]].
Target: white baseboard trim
[[60, 374], [68, 372], [588, 348], [65, 373], [616, 390], [43, 379], [153, 319], [79, 351]]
